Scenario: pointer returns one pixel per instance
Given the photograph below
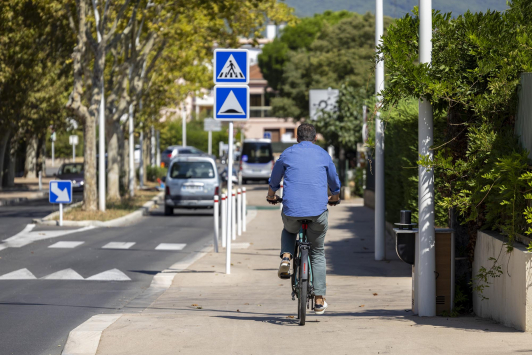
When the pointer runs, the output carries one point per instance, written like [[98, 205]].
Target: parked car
[[257, 160], [191, 182], [177, 150], [73, 172]]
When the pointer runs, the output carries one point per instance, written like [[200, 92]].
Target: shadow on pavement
[[353, 255]]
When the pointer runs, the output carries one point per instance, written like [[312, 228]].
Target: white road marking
[[110, 275], [65, 245], [27, 236], [118, 245], [170, 246], [85, 338], [22, 274], [66, 274]]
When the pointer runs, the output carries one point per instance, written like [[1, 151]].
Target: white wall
[[510, 295]]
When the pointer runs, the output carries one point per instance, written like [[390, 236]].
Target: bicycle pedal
[[285, 277]]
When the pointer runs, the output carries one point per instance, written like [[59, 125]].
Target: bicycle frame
[[302, 245]]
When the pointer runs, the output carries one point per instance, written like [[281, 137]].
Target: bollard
[[216, 222], [244, 209], [239, 211], [281, 195], [233, 216], [40, 180], [224, 220]]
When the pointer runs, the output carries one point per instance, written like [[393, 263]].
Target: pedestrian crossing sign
[[231, 103], [231, 66]]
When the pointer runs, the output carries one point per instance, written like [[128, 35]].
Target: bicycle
[[301, 277]]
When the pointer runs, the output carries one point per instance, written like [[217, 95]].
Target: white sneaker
[[320, 308], [284, 269]]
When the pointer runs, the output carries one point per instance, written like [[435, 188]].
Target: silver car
[[174, 151], [191, 182]]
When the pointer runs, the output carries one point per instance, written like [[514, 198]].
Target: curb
[[17, 200], [85, 338], [117, 222]]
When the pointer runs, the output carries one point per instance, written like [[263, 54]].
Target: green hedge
[[401, 156]]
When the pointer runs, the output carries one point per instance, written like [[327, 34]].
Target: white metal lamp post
[[380, 222], [425, 296]]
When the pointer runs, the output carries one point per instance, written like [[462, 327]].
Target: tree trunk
[[30, 166], [90, 195], [4, 139], [113, 161], [146, 156], [12, 162], [124, 166]]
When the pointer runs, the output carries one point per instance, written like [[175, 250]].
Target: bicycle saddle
[[304, 221]]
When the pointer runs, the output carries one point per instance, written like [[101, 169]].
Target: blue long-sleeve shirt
[[307, 170]]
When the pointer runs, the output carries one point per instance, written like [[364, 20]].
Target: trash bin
[[405, 246]]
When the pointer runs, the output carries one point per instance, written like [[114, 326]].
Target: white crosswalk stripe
[[118, 245], [170, 246], [65, 245]]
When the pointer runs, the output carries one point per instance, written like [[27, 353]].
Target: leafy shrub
[[155, 172]]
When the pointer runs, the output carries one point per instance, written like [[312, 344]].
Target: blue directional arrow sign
[[60, 191], [231, 103], [231, 66]]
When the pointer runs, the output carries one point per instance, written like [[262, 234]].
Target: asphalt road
[[37, 314], [13, 218]]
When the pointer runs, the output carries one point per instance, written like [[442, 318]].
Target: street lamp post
[[380, 223], [425, 262]]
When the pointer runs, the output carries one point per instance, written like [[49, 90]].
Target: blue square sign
[[231, 66], [231, 103], [60, 191]]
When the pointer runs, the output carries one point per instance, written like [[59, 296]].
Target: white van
[[256, 161]]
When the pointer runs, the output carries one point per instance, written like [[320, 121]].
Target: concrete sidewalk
[[251, 311], [24, 190]]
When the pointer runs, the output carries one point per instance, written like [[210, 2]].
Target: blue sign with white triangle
[[60, 191], [231, 66], [231, 103]]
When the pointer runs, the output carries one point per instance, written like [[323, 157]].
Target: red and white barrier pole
[[244, 209], [233, 216], [224, 221], [216, 222], [239, 211]]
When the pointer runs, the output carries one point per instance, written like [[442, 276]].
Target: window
[[71, 169], [257, 153], [192, 170], [255, 100]]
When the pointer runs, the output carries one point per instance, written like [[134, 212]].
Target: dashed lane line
[[118, 245], [65, 245], [170, 246]]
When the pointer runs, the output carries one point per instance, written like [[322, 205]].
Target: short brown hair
[[306, 132]]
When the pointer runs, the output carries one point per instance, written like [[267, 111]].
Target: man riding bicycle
[[308, 172]]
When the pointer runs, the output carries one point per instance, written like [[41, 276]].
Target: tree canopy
[[333, 49]]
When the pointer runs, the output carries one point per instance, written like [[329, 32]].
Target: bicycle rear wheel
[[303, 286]]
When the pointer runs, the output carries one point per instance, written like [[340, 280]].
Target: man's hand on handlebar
[[334, 200], [273, 200]]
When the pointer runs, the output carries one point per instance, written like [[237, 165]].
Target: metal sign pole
[[210, 143], [229, 199], [184, 129], [60, 215]]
